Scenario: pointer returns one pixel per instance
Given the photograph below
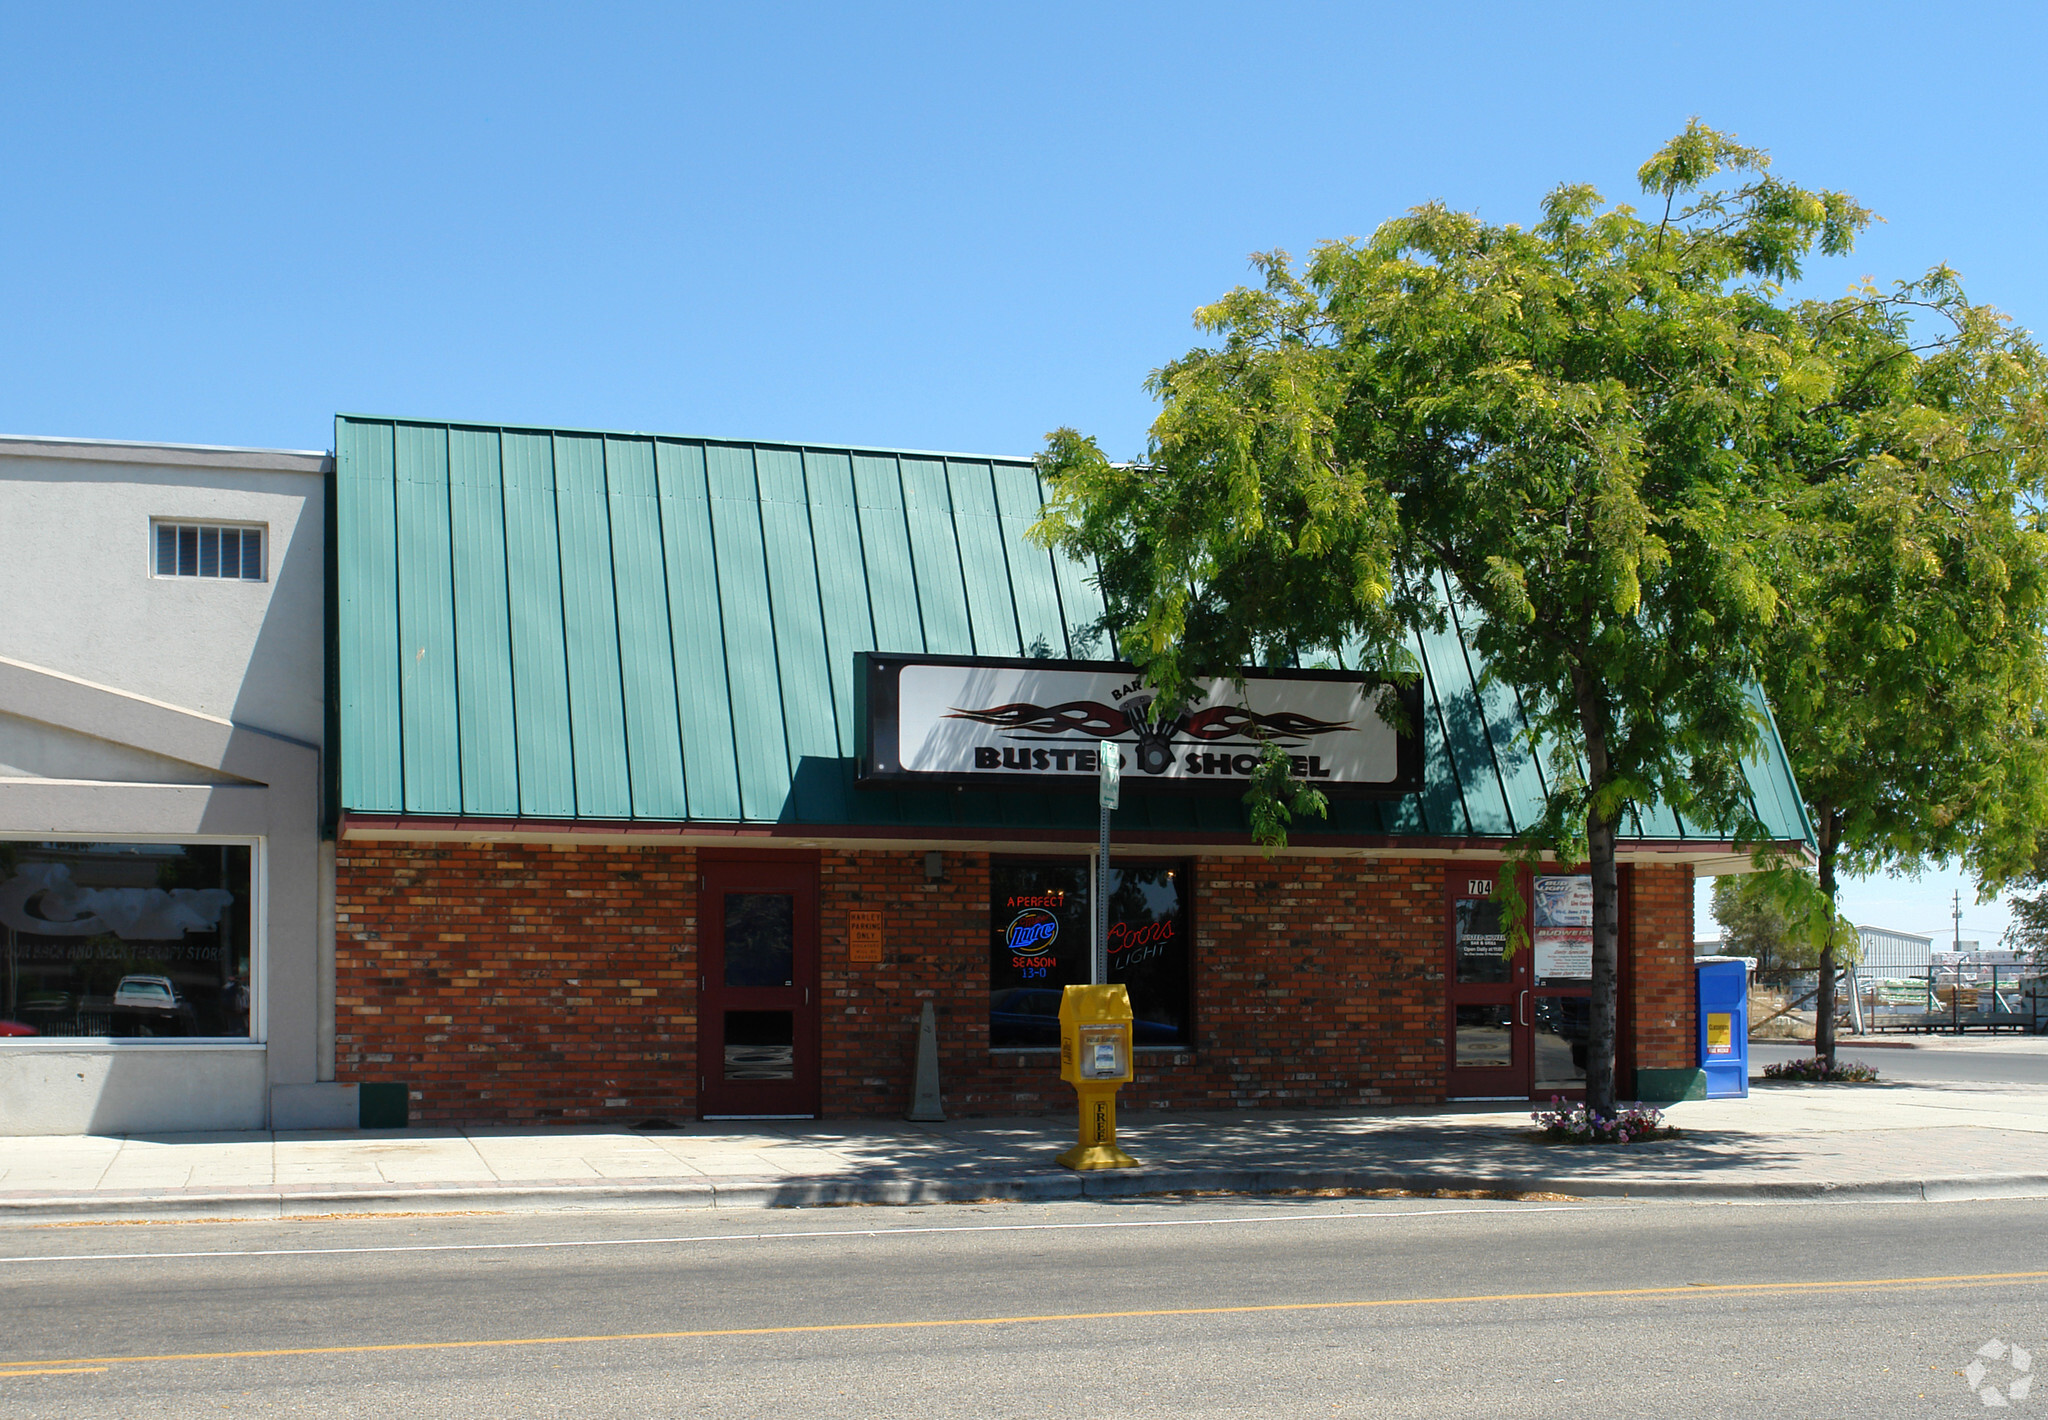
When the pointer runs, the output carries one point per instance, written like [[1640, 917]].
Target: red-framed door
[[757, 1000], [1487, 1034], [1517, 1027]]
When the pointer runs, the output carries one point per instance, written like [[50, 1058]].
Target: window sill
[[77, 1043]]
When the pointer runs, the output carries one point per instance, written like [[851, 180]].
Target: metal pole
[[1098, 961], [1109, 761], [1955, 1000]]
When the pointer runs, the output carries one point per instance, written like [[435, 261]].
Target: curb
[[1029, 1187]]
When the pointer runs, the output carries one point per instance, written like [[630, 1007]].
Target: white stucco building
[[164, 965]]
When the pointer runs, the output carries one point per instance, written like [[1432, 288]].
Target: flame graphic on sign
[[1097, 721]]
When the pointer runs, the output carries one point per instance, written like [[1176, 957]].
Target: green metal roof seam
[[798, 445], [634, 627]]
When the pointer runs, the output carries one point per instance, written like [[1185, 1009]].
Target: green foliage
[[1275, 796], [2028, 931], [1548, 422], [1654, 480], [1908, 675], [1908, 678], [1553, 416], [1780, 917]]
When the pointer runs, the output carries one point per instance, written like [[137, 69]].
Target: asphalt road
[[1276, 1308], [2002, 1060]]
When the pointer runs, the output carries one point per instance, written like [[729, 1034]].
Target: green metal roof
[[568, 625]]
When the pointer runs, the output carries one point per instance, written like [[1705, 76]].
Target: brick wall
[[934, 949], [520, 983], [1319, 983], [506, 982], [1660, 943]]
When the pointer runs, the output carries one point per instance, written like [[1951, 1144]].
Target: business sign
[[1041, 724], [1564, 928], [864, 936]]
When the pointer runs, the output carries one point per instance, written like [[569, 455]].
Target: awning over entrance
[[628, 629]]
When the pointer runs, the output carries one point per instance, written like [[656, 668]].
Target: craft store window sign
[[123, 940], [1041, 913]]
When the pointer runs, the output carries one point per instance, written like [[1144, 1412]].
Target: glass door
[[757, 1012], [1561, 932], [1489, 1011]]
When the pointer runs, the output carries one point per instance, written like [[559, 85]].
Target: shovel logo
[[2019, 1364]]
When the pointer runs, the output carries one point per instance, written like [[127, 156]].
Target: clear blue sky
[[947, 226]]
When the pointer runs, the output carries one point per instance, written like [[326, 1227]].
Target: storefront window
[[1041, 924], [122, 940], [1564, 970]]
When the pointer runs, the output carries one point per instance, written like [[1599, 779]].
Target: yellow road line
[[1690, 1289], [72, 1371]]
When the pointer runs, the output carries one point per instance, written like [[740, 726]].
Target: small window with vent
[[220, 550]]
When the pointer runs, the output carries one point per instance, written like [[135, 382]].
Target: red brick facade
[[1660, 998], [520, 983]]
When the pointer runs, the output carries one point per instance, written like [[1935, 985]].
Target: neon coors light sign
[[1037, 724]]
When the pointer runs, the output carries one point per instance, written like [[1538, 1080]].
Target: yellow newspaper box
[[1095, 1057]]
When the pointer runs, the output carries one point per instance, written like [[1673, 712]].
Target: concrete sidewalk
[[1785, 1141]]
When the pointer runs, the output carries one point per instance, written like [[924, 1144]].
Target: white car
[[147, 993]]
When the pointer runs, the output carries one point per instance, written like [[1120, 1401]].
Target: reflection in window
[[119, 940], [1040, 929], [1563, 1026], [760, 938], [760, 1045], [1485, 1039]]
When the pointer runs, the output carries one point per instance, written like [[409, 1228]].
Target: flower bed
[[1572, 1122], [1814, 1070]]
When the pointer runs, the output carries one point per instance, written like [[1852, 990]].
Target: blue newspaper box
[[1724, 1025]]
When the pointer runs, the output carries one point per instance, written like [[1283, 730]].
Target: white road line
[[806, 1234]]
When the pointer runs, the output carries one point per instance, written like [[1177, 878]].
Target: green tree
[[1556, 418], [2028, 930], [1770, 916], [1908, 672]]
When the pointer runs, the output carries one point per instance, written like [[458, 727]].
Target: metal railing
[[1946, 999]]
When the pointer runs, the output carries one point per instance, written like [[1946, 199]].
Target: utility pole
[[1109, 787], [1955, 991]]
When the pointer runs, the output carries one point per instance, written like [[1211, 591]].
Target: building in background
[[1882, 952], [163, 963]]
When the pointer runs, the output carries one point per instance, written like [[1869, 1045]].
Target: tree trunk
[[1600, 1085], [1824, 999], [1600, 1042]]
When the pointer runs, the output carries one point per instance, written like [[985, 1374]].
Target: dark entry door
[[757, 1020], [1488, 1030]]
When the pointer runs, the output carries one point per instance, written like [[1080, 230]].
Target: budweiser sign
[[1036, 723]]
